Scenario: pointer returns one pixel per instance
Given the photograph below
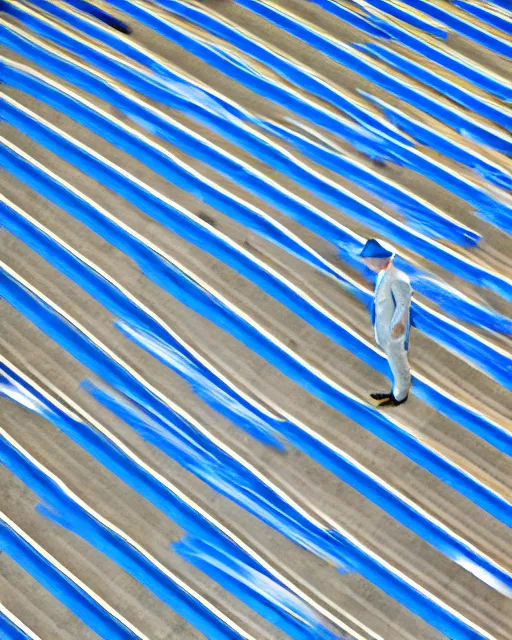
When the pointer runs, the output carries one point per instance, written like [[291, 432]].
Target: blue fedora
[[374, 249]]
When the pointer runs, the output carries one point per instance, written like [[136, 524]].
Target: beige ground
[[43, 361]]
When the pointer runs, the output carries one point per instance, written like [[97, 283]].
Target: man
[[390, 318]]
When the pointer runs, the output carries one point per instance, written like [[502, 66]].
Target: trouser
[[397, 356]]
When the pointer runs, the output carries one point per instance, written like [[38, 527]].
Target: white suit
[[391, 304]]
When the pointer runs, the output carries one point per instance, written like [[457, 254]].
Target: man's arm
[[402, 293]]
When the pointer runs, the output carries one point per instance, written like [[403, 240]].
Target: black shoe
[[380, 396], [393, 402]]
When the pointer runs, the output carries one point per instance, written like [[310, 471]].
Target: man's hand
[[398, 330]]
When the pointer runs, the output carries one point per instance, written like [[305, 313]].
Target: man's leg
[[399, 363]]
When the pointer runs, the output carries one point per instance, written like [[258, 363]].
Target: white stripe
[[108, 525], [281, 345], [335, 185], [351, 538], [429, 40], [18, 623], [445, 168], [261, 406], [200, 34], [279, 410], [51, 560], [264, 333], [415, 83], [161, 396], [489, 100], [484, 28], [171, 203], [277, 225], [82, 415], [341, 45]]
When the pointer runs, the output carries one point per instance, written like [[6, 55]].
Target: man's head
[[376, 264], [376, 255]]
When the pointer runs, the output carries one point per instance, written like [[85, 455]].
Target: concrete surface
[[348, 596]]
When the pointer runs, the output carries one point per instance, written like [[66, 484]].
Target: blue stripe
[[471, 101], [149, 335], [444, 297], [352, 17], [116, 461], [409, 18], [217, 247], [11, 631], [61, 509], [468, 71], [305, 79], [227, 127], [69, 514], [483, 37], [308, 81], [492, 18], [249, 586], [433, 224], [327, 229], [351, 60], [235, 66], [184, 289], [99, 14], [185, 516], [493, 211], [171, 432], [487, 208], [505, 4], [203, 554], [70, 594]]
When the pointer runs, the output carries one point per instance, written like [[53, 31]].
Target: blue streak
[[306, 80], [418, 216], [197, 526], [199, 455], [449, 300], [348, 57], [505, 4], [215, 245], [211, 389], [9, 630], [251, 586], [70, 515], [226, 204], [499, 365], [148, 334], [339, 235], [488, 208], [471, 101], [352, 17], [185, 290], [70, 594], [169, 430], [498, 21], [457, 64], [99, 14], [434, 224], [481, 36], [409, 18], [232, 64]]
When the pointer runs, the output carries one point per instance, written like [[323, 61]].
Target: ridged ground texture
[[187, 440]]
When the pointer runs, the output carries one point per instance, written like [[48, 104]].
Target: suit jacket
[[391, 303]]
